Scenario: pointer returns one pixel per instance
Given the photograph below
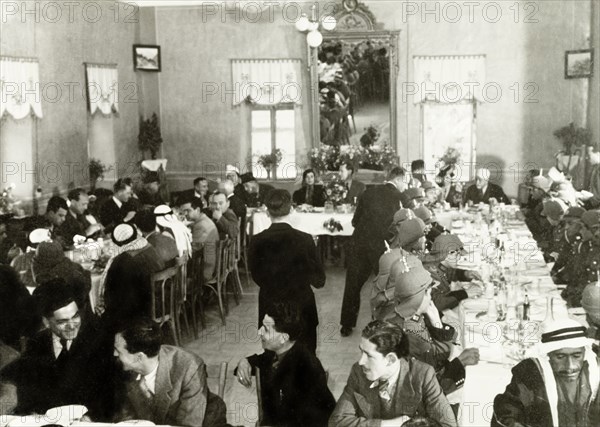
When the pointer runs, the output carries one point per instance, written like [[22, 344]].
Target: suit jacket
[[228, 225], [525, 401], [165, 247], [191, 194], [237, 205], [181, 395], [87, 377], [299, 196], [373, 217], [355, 190], [492, 190], [295, 393], [72, 226], [111, 215], [284, 263], [417, 393]]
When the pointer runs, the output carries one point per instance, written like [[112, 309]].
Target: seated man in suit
[[56, 213], [205, 235], [483, 190], [77, 221], [69, 362], [355, 187], [168, 385], [309, 193], [254, 193], [294, 385], [165, 245], [224, 218], [387, 387], [149, 194], [119, 208], [200, 191], [236, 203]]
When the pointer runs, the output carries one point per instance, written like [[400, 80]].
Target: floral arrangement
[[269, 161], [8, 202], [336, 190], [377, 157], [450, 157], [324, 158], [332, 225]]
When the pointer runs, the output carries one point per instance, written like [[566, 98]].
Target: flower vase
[[329, 207]]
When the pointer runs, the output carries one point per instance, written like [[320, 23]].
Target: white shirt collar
[[150, 379], [56, 345], [117, 202], [391, 381], [198, 195]]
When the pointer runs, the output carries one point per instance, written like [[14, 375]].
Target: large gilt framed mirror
[[353, 79]]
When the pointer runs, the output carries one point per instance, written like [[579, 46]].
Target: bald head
[[226, 187], [482, 176]]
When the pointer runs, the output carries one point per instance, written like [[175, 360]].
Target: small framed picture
[[146, 57], [579, 63]]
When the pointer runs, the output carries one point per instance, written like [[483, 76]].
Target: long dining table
[[493, 323]]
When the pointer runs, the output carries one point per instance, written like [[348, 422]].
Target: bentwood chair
[[181, 295], [194, 290], [241, 252], [164, 296], [218, 283], [218, 373]]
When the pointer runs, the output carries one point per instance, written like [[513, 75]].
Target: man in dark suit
[[119, 208], [355, 187], [294, 384], [200, 191], [387, 384], [76, 221], [165, 246], [284, 263], [149, 194], [483, 190], [56, 213], [236, 203], [224, 218], [255, 194], [67, 363], [168, 385], [372, 219]]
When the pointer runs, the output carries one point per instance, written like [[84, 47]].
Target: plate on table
[[318, 209]]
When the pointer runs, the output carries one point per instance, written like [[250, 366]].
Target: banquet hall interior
[[150, 95]]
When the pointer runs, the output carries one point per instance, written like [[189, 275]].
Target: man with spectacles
[[67, 363]]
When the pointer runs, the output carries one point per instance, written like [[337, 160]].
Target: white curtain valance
[[103, 88], [20, 87], [267, 81], [448, 79]]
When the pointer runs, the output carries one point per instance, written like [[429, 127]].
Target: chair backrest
[[164, 294], [182, 274], [219, 373], [259, 396], [223, 253]]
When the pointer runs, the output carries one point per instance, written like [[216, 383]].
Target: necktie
[[63, 356], [383, 390], [144, 388]]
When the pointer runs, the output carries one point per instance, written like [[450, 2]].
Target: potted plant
[[150, 139], [574, 140], [97, 169], [270, 161]]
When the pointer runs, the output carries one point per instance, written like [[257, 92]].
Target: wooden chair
[[259, 397], [218, 373], [164, 296], [218, 283], [194, 289], [181, 296], [241, 252]]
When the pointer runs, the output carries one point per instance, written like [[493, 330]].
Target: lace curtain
[[20, 87], [103, 88], [267, 81], [449, 79]]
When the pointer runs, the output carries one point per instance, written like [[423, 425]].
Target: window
[[271, 128]]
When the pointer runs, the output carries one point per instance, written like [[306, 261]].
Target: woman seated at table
[[310, 193]]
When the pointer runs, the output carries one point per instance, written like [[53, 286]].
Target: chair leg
[[220, 300], [174, 331], [247, 269], [238, 291], [194, 318], [185, 319]]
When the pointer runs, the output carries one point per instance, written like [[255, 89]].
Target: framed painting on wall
[[146, 57], [579, 63]]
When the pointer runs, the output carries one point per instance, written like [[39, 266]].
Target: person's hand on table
[[244, 373], [474, 291], [92, 229], [129, 216], [469, 356], [473, 275]]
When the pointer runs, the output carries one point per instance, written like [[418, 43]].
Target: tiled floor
[[239, 338]]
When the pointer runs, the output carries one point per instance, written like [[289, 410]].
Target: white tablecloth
[[311, 223]]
